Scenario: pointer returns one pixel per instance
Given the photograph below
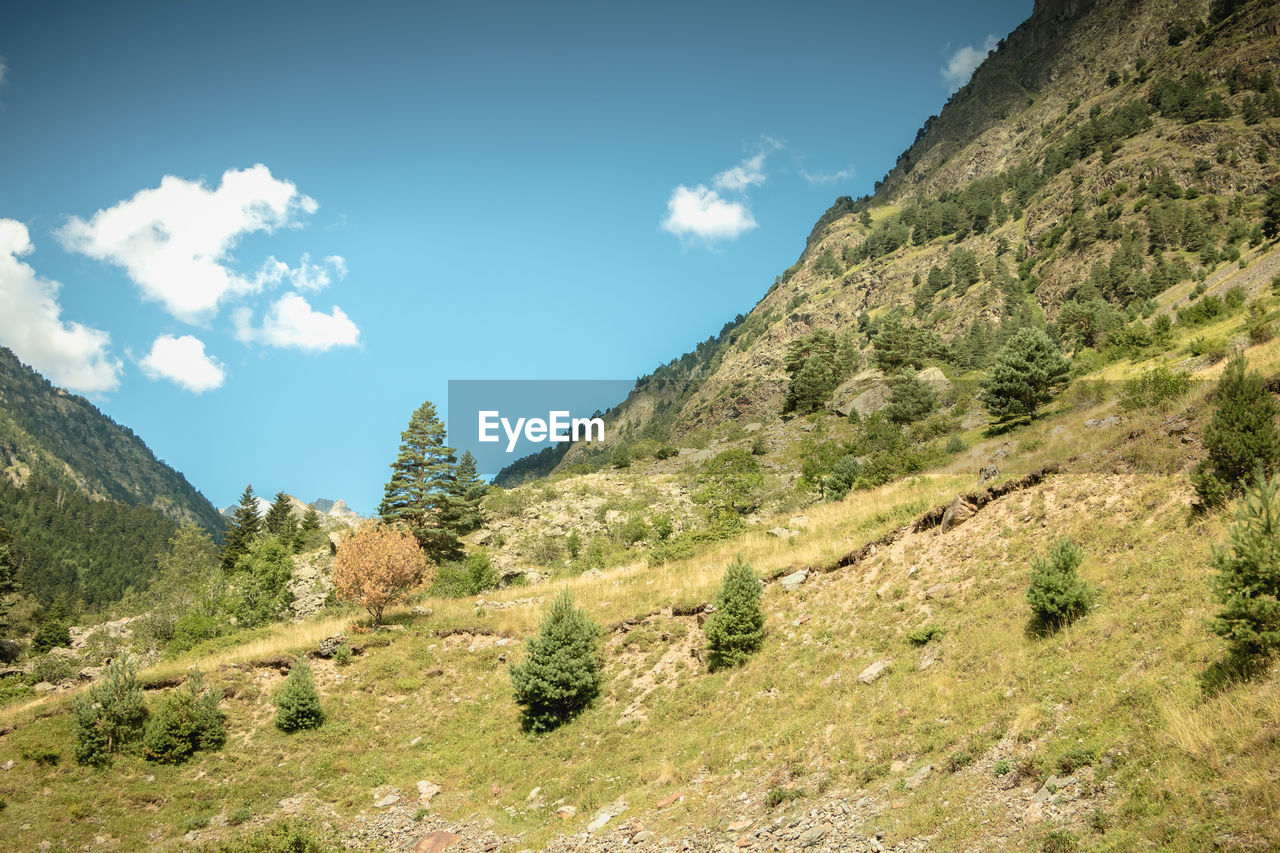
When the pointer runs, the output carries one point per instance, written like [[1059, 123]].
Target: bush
[[955, 444], [924, 635], [837, 484], [1155, 388], [560, 675], [377, 566], [910, 400], [1241, 433], [736, 628], [188, 721], [110, 716], [297, 702], [666, 451], [281, 837], [1058, 595], [51, 634], [1248, 576], [1027, 372]]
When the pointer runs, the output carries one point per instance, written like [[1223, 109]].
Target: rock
[[434, 842], [8, 765], [328, 644], [605, 815], [959, 512], [44, 687], [935, 591], [427, 790], [1001, 452], [90, 673], [739, 825], [674, 798], [926, 661], [534, 794], [1048, 793], [874, 671], [798, 522], [793, 581], [987, 472], [641, 837], [612, 516], [1103, 423], [566, 812], [811, 836], [386, 800], [782, 533], [1034, 813], [918, 777], [1177, 426]]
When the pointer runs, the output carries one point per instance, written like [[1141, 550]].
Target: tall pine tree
[[421, 494], [1240, 435], [9, 586], [1027, 371], [280, 520], [468, 491], [246, 524]]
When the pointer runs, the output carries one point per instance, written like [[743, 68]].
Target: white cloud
[[748, 173], [292, 322], [69, 354], [175, 240], [4, 70], [828, 177], [183, 361], [305, 276], [701, 212], [961, 65]]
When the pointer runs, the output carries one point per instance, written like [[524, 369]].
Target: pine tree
[[188, 721], [811, 387], [246, 524], [52, 631], [280, 520], [560, 675], [1248, 579], [1027, 371], [736, 628], [297, 702], [308, 531], [1241, 433], [9, 586], [1271, 212], [1057, 595], [910, 400], [467, 513], [421, 494], [110, 715]]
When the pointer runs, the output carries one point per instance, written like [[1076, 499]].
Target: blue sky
[[260, 235]]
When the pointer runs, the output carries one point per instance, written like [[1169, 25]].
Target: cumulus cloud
[[961, 65], [291, 322], [184, 362], [701, 212], [69, 354], [305, 276], [174, 241], [748, 173]]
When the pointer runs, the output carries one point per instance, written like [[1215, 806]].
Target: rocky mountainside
[[332, 513], [1136, 136], [44, 430]]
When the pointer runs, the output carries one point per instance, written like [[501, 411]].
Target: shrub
[[1155, 388], [779, 794], [666, 451], [1002, 767], [1248, 576], [110, 716], [910, 400], [736, 628], [1028, 370], [924, 635], [52, 633], [560, 675], [50, 668], [1058, 595], [955, 444], [188, 721], [621, 457], [297, 702], [1241, 433], [837, 484], [377, 566], [342, 654], [957, 761], [280, 837]]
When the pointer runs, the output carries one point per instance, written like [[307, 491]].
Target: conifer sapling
[[560, 675], [297, 702], [736, 628]]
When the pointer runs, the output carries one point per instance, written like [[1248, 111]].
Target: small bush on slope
[[560, 676], [736, 628]]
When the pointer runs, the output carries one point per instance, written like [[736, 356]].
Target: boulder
[[918, 778], [328, 644], [434, 842], [874, 671], [1103, 423], [987, 472], [956, 514], [782, 533], [793, 581], [427, 790]]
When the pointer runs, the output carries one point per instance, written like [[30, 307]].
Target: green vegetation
[[110, 716], [1248, 579], [1026, 373], [422, 491], [297, 702], [187, 721], [735, 629], [1057, 595], [560, 675], [1241, 434]]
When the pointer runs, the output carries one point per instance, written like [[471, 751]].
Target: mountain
[[331, 511], [1104, 161], [46, 431]]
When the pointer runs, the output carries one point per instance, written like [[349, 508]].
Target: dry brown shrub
[[378, 565]]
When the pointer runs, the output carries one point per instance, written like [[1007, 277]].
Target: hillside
[[1103, 154], [45, 431], [1107, 187]]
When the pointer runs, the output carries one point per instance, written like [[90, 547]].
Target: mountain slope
[[46, 431], [1105, 159]]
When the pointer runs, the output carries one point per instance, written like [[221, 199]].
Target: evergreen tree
[[1248, 579], [910, 400], [110, 715], [188, 721], [309, 532], [736, 628], [246, 524], [52, 631], [9, 586], [621, 457], [1241, 433], [811, 387], [1027, 371], [1271, 212], [297, 702], [421, 492], [560, 675], [280, 520], [468, 492], [1058, 595], [259, 590]]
